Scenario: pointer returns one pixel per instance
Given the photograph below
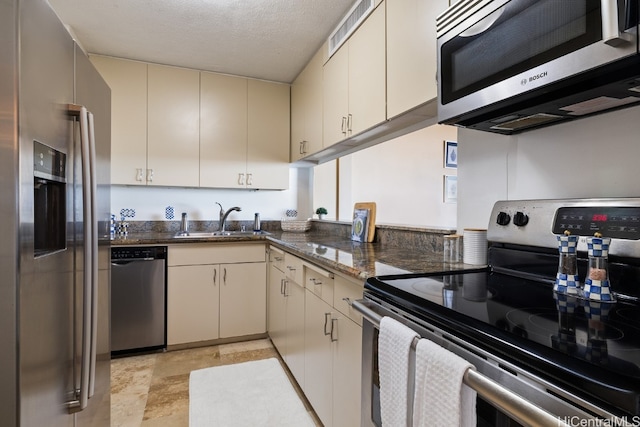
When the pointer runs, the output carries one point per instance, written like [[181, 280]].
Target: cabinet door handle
[[348, 301], [286, 286], [349, 123], [326, 322], [281, 286], [149, 175], [249, 179], [240, 179], [301, 150], [224, 278], [334, 328], [315, 281], [215, 276], [139, 174], [343, 127]]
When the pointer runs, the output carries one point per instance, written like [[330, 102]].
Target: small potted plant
[[321, 212]]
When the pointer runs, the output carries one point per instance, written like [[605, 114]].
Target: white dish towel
[[394, 346], [440, 398]]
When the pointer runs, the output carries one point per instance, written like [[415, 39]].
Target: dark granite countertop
[[358, 260]]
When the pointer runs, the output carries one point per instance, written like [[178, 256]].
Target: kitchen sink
[[204, 235]]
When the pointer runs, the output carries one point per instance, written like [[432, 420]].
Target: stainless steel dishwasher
[[138, 299]]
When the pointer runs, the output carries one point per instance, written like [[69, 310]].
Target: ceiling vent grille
[[349, 23]]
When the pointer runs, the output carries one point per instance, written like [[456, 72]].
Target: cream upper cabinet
[[128, 83], [354, 82], [184, 128], [306, 110], [244, 133], [223, 130], [173, 126], [269, 135], [411, 53]]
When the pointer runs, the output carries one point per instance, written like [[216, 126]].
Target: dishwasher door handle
[[129, 261]]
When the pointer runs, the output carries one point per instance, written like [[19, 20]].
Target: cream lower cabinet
[[193, 298], [243, 299], [215, 291], [318, 384], [332, 348], [277, 309], [318, 334], [286, 314]]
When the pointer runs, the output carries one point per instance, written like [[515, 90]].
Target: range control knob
[[520, 219], [503, 218]]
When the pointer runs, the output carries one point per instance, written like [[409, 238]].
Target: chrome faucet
[[224, 215]]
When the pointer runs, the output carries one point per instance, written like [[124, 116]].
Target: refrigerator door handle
[[88, 180], [93, 252]]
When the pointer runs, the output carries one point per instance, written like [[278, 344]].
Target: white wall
[[592, 157], [199, 203], [324, 188], [404, 176]]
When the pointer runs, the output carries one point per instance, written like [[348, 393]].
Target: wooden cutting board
[[372, 217]]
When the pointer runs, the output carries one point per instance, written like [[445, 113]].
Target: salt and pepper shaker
[[596, 285], [567, 280]]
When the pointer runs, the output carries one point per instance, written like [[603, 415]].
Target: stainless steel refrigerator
[[54, 225]]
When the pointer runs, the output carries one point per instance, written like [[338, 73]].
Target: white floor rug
[[256, 393]]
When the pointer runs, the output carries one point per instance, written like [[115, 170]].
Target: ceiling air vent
[[349, 23]]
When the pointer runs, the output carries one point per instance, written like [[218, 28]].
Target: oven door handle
[[503, 398]]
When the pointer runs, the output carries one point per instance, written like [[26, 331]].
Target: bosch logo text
[[533, 78]]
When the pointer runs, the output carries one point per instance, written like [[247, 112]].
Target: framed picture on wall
[[450, 154], [450, 189]]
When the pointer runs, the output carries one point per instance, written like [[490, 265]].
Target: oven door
[[489, 51], [499, 384]]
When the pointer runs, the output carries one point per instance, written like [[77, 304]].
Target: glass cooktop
[[578, 341]]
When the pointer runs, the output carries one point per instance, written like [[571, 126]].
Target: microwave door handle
[[484, 24], [611, 33]]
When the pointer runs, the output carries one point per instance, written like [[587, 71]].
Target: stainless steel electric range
[[544, 357]]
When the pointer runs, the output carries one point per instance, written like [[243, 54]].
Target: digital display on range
[[616, 222]]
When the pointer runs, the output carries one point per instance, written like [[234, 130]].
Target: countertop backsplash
[[420, 239]]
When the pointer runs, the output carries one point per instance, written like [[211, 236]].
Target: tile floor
[[152, 390]]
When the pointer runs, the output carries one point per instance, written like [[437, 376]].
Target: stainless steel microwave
[[508, 66]]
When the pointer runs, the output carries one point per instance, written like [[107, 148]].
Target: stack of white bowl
[[475, 246]]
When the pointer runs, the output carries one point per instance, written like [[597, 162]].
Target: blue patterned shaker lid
[[567, 243], [598, 246]]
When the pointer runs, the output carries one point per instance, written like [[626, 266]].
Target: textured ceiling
[[265, 39]]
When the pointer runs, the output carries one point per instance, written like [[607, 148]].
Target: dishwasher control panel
[[156, 252]]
